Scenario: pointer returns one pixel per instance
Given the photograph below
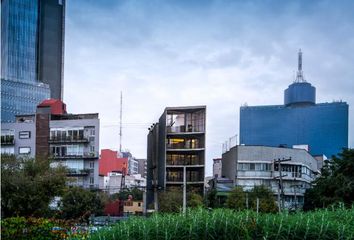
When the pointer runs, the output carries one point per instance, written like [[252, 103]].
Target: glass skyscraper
[[32, 45]]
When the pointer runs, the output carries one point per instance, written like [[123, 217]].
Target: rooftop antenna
[[299, 75], [120, 122]]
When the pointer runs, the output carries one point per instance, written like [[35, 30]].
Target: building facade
[[32, 53], [71, 140], [111, 161], [176, 151], [217, 167], [322, 126], [142, 169], [249, 166]]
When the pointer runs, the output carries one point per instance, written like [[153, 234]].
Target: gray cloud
[[216, 53]]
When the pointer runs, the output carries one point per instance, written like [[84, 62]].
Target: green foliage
[[136, 193], [195, 200], [236, 199], [266, 199], [211, 199], [21, 228], [228, 224], [28, 186], [78, 203], [170, 201], [336, 183]]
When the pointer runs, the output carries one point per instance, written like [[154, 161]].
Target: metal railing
[[68, 139]]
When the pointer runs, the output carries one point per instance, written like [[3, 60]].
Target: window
[[92, 180], [24, 150], [24, 135], [92, 148], [92, 132], [7, 150], [92, 164]]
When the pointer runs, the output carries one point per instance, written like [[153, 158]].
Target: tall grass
[[227, 224]]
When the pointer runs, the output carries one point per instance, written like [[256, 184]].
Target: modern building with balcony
[[176, 151], [249, 166], [71, 140]]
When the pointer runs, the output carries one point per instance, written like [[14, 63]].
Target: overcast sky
[[222, 54]]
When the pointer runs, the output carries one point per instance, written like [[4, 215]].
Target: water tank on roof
[[300, 93]]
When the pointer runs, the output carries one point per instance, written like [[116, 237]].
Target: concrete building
[[111, 161], [68, 139], [250, 166], [18, 138], [112, 182], [176, 150], [322, 126], [32, 54], [217, 167], [142, 170], [133, 163]]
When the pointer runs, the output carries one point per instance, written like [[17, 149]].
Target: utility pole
[[281, 186], [120, 122], [295, 186], [184, 190]]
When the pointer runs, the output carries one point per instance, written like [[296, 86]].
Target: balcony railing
[[179, 178], [69, 139], [185, 146], [184, 129], [8, 140], [78, 172], [185, 162], [87, 155]]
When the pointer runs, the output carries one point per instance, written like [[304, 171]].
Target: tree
[[336, 183], [79, 203], [28, 185], [236, 199], [266, 199], [211, 199], [195, 200], [136, 193], [170, 201]]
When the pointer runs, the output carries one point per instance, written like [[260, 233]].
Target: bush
[[78, 203], [33, 228], [21, 228]]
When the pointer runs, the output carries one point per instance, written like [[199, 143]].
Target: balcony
[[185, 146], [7, 140], [176, 176], [87, 155], [68, 139], [184, 130], [78, 172]]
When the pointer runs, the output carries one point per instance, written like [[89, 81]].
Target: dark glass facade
[[324, 126], [19, 19], [19, 98], [31, 54]]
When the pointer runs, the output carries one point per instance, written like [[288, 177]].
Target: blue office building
[[299, 121], [32, 47]]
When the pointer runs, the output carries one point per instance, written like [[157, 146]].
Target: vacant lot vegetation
[[228, 224]]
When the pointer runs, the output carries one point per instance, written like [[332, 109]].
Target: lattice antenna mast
[[120, 122], [300, 74]]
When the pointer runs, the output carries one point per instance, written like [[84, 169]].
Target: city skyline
[[232, 52]]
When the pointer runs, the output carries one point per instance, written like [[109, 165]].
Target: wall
[[18, 127], [110, 162]]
